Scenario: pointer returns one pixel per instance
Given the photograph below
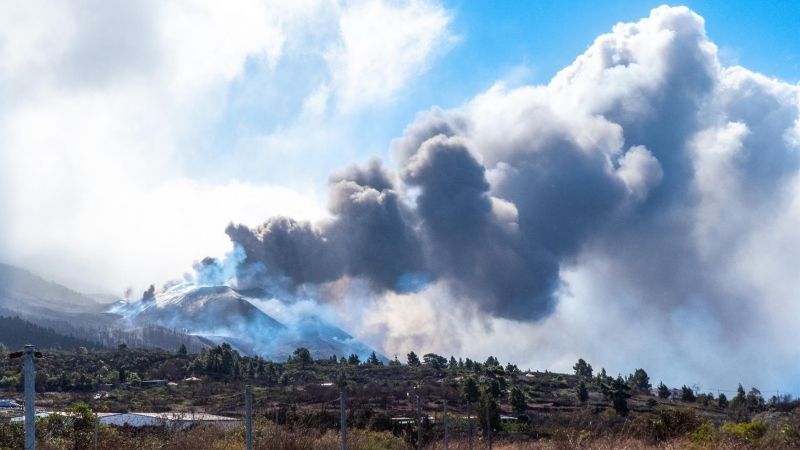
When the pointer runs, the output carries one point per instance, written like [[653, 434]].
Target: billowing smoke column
[[645, 153]]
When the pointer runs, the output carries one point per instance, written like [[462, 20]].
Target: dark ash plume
[[370, 236]]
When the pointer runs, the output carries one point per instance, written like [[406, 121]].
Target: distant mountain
[[219, 313], [197, 316], [69, 313], [32, 296], [16, 333]]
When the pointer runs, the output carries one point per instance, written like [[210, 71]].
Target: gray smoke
[[370, 236], [645, 154]]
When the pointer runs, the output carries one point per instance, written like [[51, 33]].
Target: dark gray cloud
[[370, 235]]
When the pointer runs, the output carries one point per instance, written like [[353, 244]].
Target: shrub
[[748, 431], [667, 424]]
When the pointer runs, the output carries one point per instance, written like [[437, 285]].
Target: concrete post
[[344, 419], [248, 405], [30, 399]]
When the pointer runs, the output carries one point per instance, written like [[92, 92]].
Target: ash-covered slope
[[220, 314]]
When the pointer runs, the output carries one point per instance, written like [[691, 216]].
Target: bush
[[703, 435], [748, 431], [667, 424]]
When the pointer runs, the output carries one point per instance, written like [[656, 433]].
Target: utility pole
[[419, 425], [248, 406], [96, 428], [445, 425], [344, 419], [469, 423]]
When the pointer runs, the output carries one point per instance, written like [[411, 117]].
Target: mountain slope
[[32, 296]]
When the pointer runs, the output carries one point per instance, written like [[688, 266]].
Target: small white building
[[173, 420]]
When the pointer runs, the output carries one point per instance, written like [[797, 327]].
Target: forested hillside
[[15, 333]]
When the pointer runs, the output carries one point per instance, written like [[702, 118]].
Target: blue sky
[[516, 42]]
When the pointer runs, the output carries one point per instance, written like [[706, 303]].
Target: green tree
[[740, 400], [663, 391], [453, 364], [583, 393], [639, 380], [353, 359], [469, 389], [755, 402], [435, 361], [395, 362], [413, 359], [517, 400], [303, 357], [602, 377], [373, 360], [182, 350], [582, 369], [722, 401], [617, 393], [687, 394]]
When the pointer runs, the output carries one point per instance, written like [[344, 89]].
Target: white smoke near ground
[[640, 210]]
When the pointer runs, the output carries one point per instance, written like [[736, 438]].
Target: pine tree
[[583, 393], [453, 363], [617, 392], [469, 390], [353, 360], [687, 394], [722, 401], [413, 359], [639, 380], [373, 360], [582, 369], [517, 400], [182, 350], [663, 391]]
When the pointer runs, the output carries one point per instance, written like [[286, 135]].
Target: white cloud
[[107, 107], [384, 44]]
